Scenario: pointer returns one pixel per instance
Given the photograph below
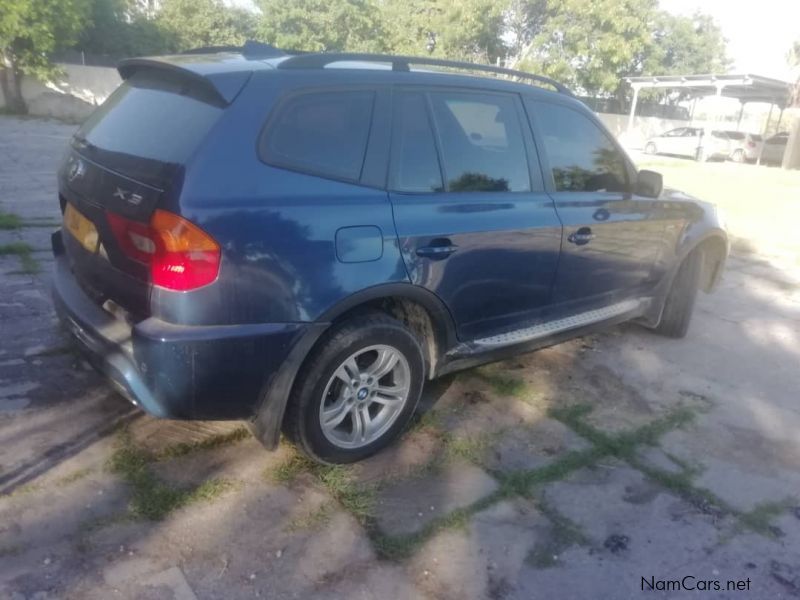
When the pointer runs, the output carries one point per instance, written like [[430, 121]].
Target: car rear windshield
[[149, 125]]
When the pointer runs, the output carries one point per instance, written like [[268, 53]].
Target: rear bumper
[[175, 371]]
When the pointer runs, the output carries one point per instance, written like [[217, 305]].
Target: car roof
[[228, 70]]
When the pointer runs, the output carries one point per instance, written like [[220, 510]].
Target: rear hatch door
[[126, 161]]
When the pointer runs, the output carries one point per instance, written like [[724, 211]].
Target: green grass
[[9, 221], [152, 498], [311, 520], [564, 533], [24, 252], [760, 518], [500, 382], [33, 487], [338, 480], [214, 441]]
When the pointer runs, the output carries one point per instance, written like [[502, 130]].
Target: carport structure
[[745, 88]]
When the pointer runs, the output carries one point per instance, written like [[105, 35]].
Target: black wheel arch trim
[[271, 407]]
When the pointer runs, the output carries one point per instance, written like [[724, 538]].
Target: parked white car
[[694, 142], [744, 146]]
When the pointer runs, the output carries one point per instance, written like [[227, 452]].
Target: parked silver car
[[773, 149], [744, 147], [694, 142]]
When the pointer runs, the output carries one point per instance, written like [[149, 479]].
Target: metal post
[[741, 112], [778, 124], [769, 116], [633, 108]]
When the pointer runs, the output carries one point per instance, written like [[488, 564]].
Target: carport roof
[[745, 87]]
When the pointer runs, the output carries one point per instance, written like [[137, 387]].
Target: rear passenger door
[[612, 237], [474, 222]]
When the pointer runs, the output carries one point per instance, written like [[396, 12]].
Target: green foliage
[[198, 23], [119, 28], [29, 264], [466, 29], [31, 29], [322, 25]]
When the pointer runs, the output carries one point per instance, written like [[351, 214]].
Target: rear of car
[[133, 273], [744, 147]]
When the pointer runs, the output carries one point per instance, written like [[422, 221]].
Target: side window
[[581, 155], [324, 133], [481, 142], [415, 164]]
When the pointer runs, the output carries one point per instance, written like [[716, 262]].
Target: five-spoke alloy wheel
[[357, 391]]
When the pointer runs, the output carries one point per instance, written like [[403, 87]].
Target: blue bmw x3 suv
[[301, 241]]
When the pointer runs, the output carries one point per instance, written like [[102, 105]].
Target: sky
[[759, 33]]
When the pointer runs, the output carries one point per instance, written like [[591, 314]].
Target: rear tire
[[336, 379], [650, 148], [679, 305]]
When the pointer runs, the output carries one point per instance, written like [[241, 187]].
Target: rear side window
[[481, 142], [581, 155], [322, 133], [415, 163]]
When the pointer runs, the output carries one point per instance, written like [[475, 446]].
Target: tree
[[30, 30], [322, 25], [686, 45], [466, 30], [197, 23], [122, 28], [594, 44]]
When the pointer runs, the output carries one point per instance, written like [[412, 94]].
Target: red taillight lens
[[181, 256]]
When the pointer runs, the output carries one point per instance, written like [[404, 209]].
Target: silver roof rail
[[402, 63]]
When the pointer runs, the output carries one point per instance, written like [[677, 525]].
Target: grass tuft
[[214, 441], [564, 533], [760, 518], [501, 383], [152, 498], [24, 251], [9, 221]]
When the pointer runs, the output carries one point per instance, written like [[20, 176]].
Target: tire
[[679, 304], [355, 347], [650, 148], [738, 156]]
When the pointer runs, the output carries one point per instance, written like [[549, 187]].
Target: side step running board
[[549, 328]]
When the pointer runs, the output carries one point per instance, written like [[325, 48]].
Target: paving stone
[[660, 529], [411, 452], [533, 446], [406, 506], [656, 458]]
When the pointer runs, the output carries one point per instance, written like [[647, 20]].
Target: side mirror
[[649, 184]]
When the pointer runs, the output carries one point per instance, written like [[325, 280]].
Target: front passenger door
[[612, 237]]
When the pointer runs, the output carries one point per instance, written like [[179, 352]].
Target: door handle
[[437, 252], [581, 237]]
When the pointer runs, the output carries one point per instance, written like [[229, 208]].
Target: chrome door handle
[[583, 236], [436, 252]]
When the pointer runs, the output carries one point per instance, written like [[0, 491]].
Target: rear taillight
[[181, 256]]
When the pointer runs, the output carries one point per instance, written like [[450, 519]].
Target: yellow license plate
[[81, 228]]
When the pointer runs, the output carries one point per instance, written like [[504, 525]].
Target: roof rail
[[402, 63]]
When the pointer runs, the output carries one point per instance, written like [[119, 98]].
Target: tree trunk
[[11, 83]]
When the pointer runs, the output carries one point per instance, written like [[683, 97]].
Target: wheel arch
[[418, 308]]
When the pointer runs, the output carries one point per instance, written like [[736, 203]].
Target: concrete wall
[[73, 96]]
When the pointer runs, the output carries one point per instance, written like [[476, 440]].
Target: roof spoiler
[[223, 85]]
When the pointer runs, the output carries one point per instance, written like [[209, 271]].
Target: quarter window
[[324, 133], [481, 143], [581, 155]]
